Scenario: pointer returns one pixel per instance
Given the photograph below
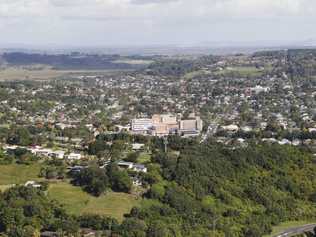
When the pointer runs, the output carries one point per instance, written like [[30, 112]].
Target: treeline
[[37, 134], [69, 61], [301, 63], [270, 53], [179, 67], [27, 212], [280, 134], [97, 181]]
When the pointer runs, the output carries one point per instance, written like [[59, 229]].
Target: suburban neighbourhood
[[174, 140]]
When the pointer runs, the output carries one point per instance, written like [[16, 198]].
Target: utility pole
[[165, 142]]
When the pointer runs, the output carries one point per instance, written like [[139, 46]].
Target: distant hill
[[74, 61]]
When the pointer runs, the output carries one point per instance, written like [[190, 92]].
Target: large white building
[[141, 126], [165, 124], [191, 127]]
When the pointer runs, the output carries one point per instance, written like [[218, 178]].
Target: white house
[[132, 166], [32, 184], [58, 154], [74, 156], [137, 146], [126, 165], [231, 128], [139, 168]]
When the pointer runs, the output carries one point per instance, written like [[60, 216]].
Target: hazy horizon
[[122, 23]]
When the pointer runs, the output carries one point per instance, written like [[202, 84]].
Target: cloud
[[140, 8], [152, 1], [147, 21], [66, 3]]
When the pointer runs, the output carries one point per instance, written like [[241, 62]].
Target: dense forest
[[179, 67], [302, 63], [246, 190]]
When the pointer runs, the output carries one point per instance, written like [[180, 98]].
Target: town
[[226, 97], [157, 118], [108, 142]]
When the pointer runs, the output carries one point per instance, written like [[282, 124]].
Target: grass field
[[144, 158], [47, 73], [14, 73], [73, 198], [191, 75], [286, 225], [134, 61], [242, 71], [18, 174], [78, 202]]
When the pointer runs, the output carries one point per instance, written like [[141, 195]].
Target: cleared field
[[17, 73], [191, 75], [78, 202], [286, 225], [13, 73], [134, 61], [18, 174], [73, 198], [242, 71]]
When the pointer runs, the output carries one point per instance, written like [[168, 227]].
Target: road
[[296, 230]]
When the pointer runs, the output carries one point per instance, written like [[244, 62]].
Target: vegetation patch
[[18, 174], [134, 61], [144, 158], [241, 71], [197, 73], [78, 202]]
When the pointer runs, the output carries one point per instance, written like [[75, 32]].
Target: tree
[[159, 229], [121, 182], [93, 180], [132, 157], [98, 222], [157, 191], [132, 227], [24, 211], [19, 136]]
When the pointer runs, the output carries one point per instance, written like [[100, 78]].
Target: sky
[[155, 22]]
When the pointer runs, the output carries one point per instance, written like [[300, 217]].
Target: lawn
[[18, 174], [78, 202], [144, 158], [286, 225]]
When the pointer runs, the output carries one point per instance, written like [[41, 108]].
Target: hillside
[[245, 191], [74, 61]]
